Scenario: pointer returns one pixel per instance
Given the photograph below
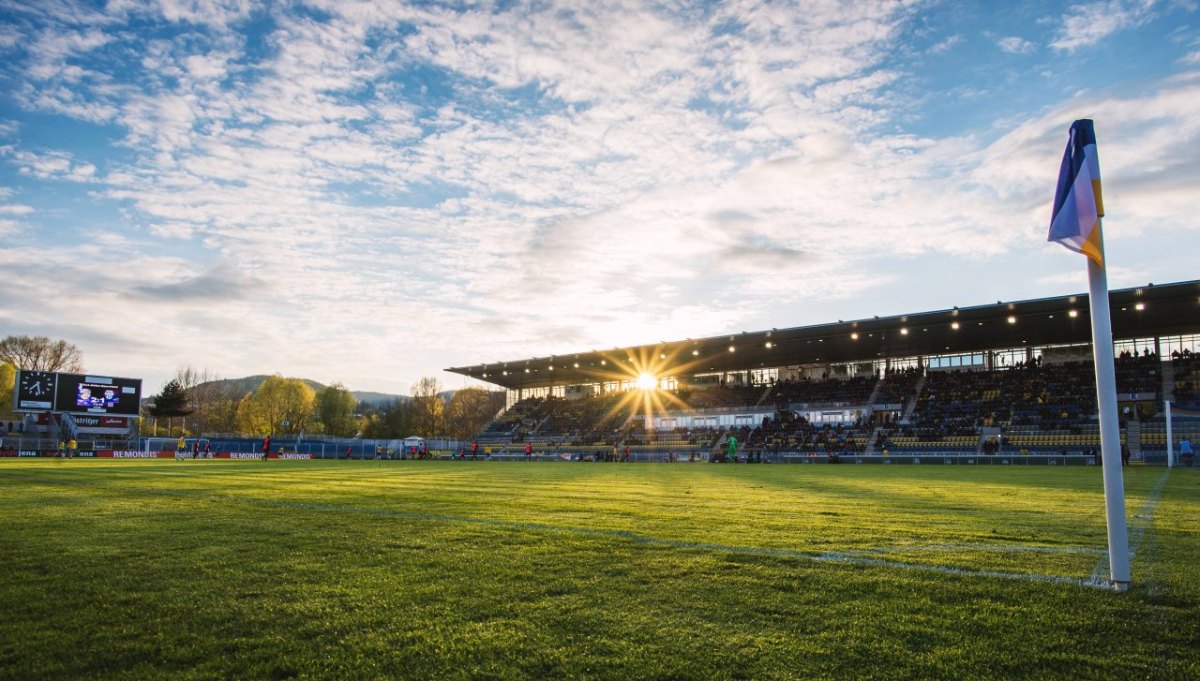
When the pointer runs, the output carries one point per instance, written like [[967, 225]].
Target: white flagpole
[[1170, 441], [1110, 429]]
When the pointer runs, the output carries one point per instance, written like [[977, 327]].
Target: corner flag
[[1078, 206], [1076, 225]]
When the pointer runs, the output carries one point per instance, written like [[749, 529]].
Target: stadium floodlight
[[903, 331], [1012, 319], [854, 336], [1139, 307], [646, 381], [954, 325], [1072, 313]]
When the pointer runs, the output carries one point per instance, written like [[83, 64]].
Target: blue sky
[[368, 192]]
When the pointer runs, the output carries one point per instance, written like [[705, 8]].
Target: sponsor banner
[[93, 421], [30, 452], [8, 452], [133, 454], [257, 456]]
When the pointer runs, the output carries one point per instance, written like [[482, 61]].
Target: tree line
[[196, 401]]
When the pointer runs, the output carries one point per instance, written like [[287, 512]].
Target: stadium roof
[[1142, 312]]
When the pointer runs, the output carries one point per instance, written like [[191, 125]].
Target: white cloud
[[946, 44], [1015, 45], [1087, 24], [51, 165], [573, 175], [217, 14]]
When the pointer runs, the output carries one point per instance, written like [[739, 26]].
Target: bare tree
[[428, 409], [204, 390], [39, 353]]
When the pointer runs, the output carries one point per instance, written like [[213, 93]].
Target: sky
[[370, 192]]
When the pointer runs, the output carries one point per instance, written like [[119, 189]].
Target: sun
[[646, 381]]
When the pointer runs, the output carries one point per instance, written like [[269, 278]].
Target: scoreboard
[[77, 393]]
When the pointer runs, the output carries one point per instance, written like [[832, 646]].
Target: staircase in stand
[[766, 393], [911, 406], [872, 447], [1133, 439]]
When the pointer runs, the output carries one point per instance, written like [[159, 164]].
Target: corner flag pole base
[[1120, 587]]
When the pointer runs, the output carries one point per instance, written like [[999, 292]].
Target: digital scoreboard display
[[77, 393], [98, 394]]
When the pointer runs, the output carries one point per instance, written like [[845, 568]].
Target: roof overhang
[[1141, 312]]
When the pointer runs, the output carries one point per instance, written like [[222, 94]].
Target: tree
[[428, 409], [215, 401], [279, 405], [171, 403], [470, 410], [392, 419], [8, 378], [335, 410], [39, 353]]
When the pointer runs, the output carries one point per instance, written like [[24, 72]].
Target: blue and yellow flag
[[1077, 203]]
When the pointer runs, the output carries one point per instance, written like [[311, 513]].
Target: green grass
[[202, 569]]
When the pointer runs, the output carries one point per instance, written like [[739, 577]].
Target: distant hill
[[249, 384]]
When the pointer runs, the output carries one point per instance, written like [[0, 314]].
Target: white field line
[[1143, 522]]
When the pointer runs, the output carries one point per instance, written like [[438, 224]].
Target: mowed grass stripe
[[217, 569]]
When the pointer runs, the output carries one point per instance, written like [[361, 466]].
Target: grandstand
[[1012, 379]]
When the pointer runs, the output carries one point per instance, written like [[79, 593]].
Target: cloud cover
[[371, 191]]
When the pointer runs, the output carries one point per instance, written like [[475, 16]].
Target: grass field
[[201, 569]]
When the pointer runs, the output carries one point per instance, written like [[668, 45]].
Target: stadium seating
[[1031, 407]]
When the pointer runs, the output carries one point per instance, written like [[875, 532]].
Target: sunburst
[[646, 369]]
